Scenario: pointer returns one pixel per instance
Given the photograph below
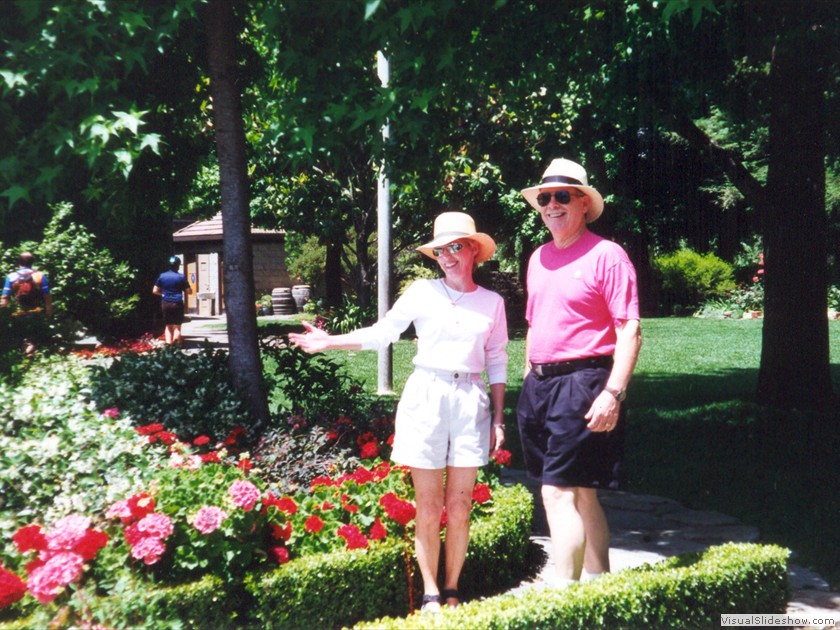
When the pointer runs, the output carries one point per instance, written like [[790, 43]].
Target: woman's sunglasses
[[452, 248], [561, 196]]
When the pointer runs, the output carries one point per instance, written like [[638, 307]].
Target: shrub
[[86, 281], [306, 389], [189, 393], [692, 590], [689, 278]]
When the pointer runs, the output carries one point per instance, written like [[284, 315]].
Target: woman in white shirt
[[446, 425]]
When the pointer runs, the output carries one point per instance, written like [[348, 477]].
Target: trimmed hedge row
[[687, 591], [329, 590]]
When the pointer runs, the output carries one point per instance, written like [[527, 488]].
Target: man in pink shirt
[[582, 345]]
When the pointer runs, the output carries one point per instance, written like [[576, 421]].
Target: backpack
[[27, 289]]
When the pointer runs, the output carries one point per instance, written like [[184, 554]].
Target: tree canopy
[[686, 113]]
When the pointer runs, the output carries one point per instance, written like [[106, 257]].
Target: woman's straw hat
[[450, 226], [563, 173]]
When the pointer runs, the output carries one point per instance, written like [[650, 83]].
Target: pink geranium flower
[[149, 549], [244, 494], [156, 525], [67, 532], [279, 554], [208, 519], [47, 580]]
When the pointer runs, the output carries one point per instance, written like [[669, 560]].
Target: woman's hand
[[497, 437], [313, 340]]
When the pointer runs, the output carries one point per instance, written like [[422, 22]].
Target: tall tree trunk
[[244, 359], [794, 371]]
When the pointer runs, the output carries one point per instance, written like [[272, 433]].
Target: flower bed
[[322, 590], [200, 519]]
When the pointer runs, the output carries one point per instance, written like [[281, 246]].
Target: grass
[[695, 435]]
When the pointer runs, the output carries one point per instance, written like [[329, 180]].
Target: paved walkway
[[643, 529], [646, 529]]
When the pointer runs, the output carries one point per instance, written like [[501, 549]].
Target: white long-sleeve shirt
[[467, 336]]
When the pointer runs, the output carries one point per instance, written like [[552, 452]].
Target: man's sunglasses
[[452, 248], [561, 196]]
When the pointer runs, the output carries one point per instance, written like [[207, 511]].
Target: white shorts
[[443, 419]]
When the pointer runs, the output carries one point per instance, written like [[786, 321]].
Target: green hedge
[[325, 590], [687, 591]]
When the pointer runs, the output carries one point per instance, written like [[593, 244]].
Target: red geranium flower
[[377, 530], [90, 544], [502, 457], [353, 536], [30, 538], [165, 437], [12, 588], [481, 493], [201, 440], [370, 450], [281, 533], [150, 429], [141, 504], [210, 458], [362, 475], [398, 509], [245, 464], [279, 554], [313, 524]]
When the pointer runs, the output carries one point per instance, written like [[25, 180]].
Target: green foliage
[[306, 259], [834, 297], [688, 278], [238, 544], [189, 393], [688, 591], [305, 389], [87, 284], [58, 454], [348, 316]]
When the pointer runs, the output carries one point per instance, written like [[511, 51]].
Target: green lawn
[[696, 437]]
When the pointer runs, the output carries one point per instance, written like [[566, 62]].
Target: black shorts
[[173, 313], [559, 450]]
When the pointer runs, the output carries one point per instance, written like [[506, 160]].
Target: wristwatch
[[618, 394]]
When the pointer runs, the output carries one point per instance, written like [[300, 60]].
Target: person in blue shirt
[[172, 286], [29, 289]]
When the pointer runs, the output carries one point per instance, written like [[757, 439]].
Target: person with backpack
[[29, 289], [172, 286]]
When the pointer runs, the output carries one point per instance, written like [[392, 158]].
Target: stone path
[[646, 529]]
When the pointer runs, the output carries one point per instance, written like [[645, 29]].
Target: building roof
[[211, 230]]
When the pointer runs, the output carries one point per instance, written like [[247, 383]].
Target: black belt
[[567, 367]]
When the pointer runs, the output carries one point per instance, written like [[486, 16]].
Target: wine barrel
[[282, 302], [301, 294]]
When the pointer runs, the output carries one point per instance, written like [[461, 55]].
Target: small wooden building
[[199, 245]]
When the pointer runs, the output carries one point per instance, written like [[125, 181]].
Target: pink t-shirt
[[575, 297]]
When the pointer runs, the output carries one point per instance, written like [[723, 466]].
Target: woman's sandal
[[431, 605], [451, 593]]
